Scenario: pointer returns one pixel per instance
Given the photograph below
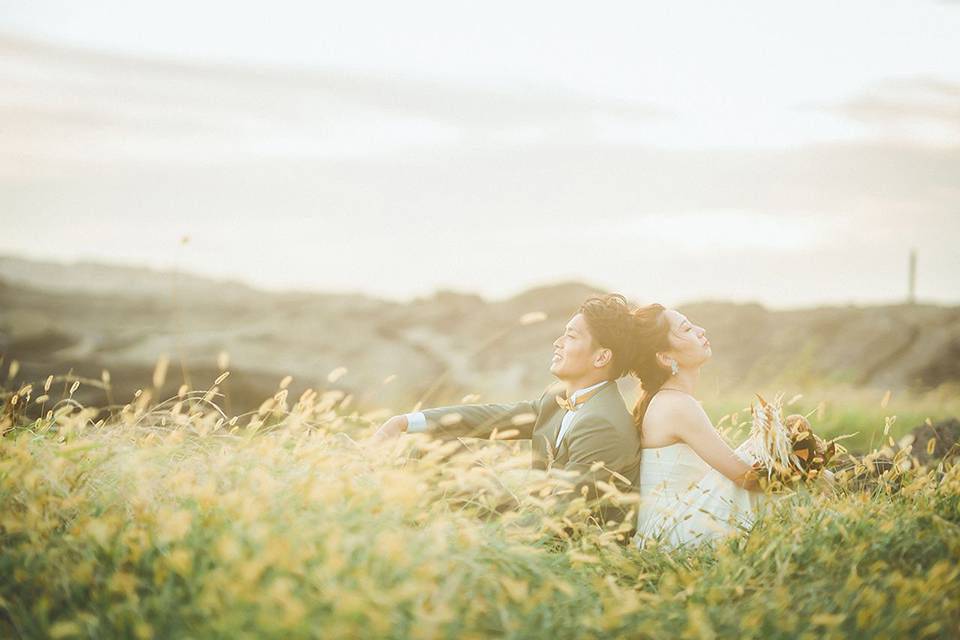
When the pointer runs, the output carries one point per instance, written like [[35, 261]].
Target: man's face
[[574, 351]]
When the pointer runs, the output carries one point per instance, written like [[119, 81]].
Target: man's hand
[[390, 430]]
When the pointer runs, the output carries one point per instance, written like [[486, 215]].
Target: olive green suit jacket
[[602, 431]]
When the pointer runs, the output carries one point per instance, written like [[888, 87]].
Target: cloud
[[302, 178], [58, 101], [917, 99]]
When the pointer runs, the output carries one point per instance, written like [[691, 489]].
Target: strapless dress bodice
[[671, 470], [683, 500]]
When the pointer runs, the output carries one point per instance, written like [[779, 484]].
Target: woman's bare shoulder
[[672, 408], [670, 402]]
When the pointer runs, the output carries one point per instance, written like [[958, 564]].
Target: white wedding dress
[[685, 501]]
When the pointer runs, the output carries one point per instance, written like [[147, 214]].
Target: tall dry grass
[[175, 520]]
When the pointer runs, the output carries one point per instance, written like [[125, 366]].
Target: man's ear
[[603, 358]]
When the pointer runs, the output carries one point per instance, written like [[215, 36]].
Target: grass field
[[869, 416], [176, 521]]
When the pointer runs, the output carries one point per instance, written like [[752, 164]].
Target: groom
[[586, 428]]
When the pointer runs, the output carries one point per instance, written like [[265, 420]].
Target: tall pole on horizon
[[912, 282]]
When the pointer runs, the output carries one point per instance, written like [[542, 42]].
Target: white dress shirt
[[417, 422], [568, 416]]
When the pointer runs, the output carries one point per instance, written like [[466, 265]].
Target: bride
[[693, 486]]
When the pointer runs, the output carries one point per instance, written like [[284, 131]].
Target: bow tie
[[572, 406]]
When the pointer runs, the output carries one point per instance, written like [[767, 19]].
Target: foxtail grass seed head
[[266, 406], [336, 374], [532, 317], [223, 360], [160, 371], [13, 370], [46, 385], [450, 419]]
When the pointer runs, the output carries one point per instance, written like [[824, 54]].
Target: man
[[584, 429]]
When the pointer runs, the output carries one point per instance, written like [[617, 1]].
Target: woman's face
[[688, 342]]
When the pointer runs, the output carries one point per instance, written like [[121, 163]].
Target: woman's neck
[[685, 380]]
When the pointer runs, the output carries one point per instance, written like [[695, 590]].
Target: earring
[[674, 369]]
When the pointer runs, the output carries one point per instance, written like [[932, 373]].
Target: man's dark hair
[[611, 321]]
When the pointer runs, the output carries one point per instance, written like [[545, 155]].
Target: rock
[[946, 441]]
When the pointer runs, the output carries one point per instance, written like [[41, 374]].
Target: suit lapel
[[545, 447], [547, 434], [590, 407]]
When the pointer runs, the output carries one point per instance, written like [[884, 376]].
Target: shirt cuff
[[416, 422]]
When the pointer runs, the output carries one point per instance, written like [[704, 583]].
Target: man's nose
[[556, 343]]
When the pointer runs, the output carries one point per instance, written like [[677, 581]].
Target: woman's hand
[[751, 479], [682, 415]]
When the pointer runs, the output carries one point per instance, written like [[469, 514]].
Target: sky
[[786, 153]]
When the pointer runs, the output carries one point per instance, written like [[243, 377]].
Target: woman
[[693, 486]]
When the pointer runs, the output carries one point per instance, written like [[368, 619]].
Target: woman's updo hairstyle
[[651, 335]]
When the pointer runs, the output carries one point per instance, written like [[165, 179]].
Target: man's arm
[[480, 420], [515, 419]]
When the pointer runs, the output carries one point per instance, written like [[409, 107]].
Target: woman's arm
[[692, 426]]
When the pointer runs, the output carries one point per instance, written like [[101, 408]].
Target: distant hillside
[[89, 317]]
